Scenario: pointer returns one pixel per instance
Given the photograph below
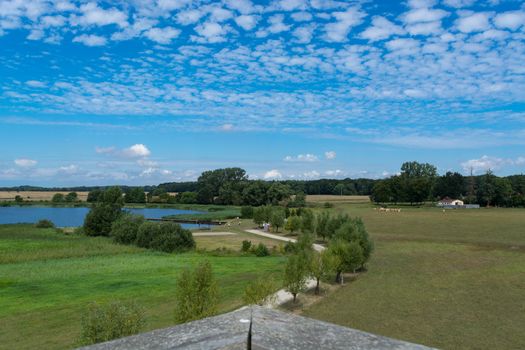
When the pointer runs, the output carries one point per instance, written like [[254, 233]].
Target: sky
[[145, 92]]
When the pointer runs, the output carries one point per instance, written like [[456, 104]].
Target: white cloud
[[277, 25], [69, 169], [313, 174], [247, 22], [272, 174], [335, 173], [94, 15], [227, 127], [424, 15], [304, 34], [425, 28], [338, 31], [35, 84], [25, 162], [170, 5], [381, 28], [511, 20], [302, 158], [189, 17], [90, 40], [484, 164], [330, 155], [162, 35], [302, 16], [137, 150], [243, 6], [476, 22], [291, 5], [210, 32]]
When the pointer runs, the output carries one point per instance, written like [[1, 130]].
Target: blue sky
[[142, 92]]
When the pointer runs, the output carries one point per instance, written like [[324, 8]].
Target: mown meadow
[[47, 279], [451, 280]]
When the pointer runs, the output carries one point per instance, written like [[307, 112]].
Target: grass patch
[[451, 280], [50, 280]]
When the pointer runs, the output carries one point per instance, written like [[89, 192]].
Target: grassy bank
[[47, 279], [452, 280]]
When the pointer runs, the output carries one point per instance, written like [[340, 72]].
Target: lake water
[[70, 217]]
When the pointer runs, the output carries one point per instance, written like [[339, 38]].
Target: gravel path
[[212, 233], [282, 296]]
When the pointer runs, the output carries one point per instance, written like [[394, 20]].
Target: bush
[[290, 247], [44, 223], [247, 212], [165, 236], [124, 230], [172, 237], [246, 245], [146, 233], [58, 198], [260, 250], [328, 205], [111, 321]]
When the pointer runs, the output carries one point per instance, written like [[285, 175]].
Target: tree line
[[419, 182]]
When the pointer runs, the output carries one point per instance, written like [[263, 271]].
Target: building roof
[[270, 329]]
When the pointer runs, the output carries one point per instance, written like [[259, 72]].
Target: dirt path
[[317, 247], [212, 233], [282, 296]]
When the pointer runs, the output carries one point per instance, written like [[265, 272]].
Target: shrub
[[328, 205], [44, 223], [196, 295], [146, 233], [19, 199], [260, 291], [172, 237], [58, 198], [110, 321], [261, 250], [290, 247], [247, 212], [124, 230], [246, 245]]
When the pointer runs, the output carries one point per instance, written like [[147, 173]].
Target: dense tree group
[[419, 182]]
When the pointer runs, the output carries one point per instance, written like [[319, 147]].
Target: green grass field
[[47, 279], [453, 280]]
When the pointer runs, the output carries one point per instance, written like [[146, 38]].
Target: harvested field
[[36, 195]]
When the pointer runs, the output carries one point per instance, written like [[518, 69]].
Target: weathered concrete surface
[[271, 329]]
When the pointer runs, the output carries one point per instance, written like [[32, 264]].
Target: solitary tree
[[295, 274], [196, 295]]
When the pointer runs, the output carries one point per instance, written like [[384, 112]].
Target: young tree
[[196, 295], [103, 213], [354, 231], [321, 266], [277, 219], [260, 291], [307, 221], [293, 223], [349, 256], [295, 275], [321, 226]]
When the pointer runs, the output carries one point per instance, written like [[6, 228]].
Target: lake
[[71, 217]]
